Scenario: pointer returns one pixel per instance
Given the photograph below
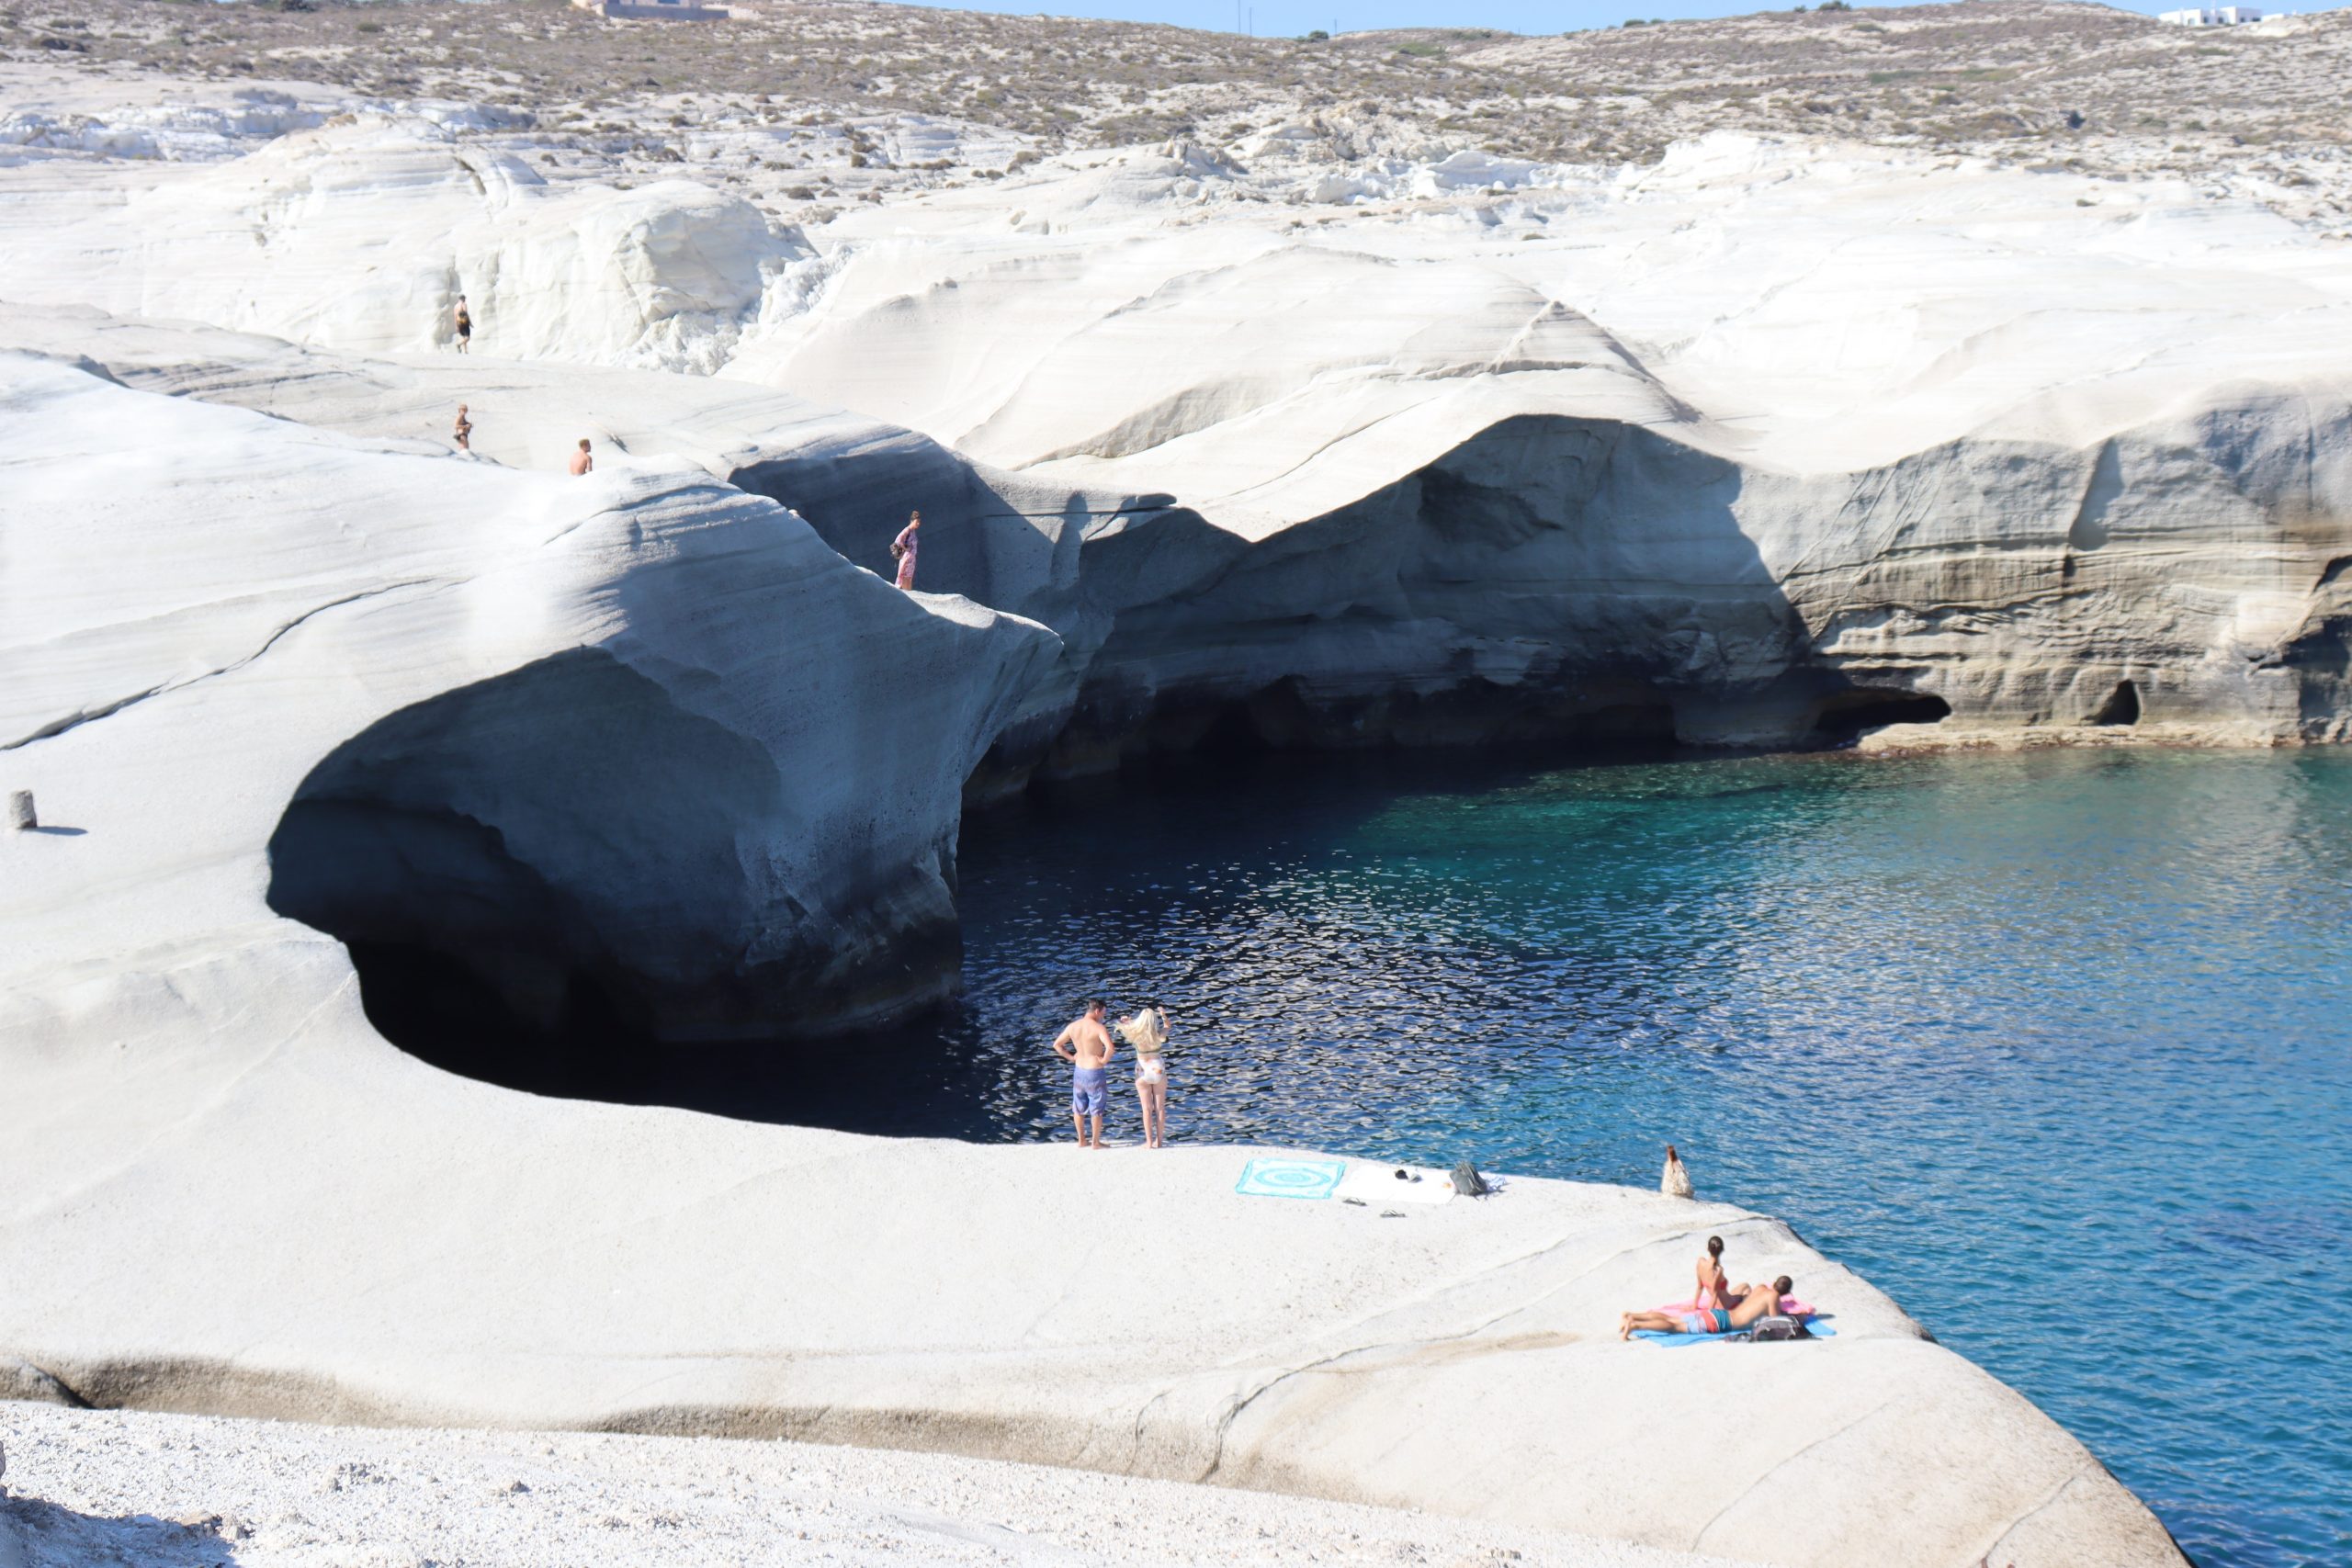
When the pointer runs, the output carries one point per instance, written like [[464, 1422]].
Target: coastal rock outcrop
[[599, 721], [655, 721], [1766, 444]]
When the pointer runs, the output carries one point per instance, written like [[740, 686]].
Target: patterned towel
[[1272, 1177]]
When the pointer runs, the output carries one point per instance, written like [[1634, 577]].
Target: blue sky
[[1291, 18]]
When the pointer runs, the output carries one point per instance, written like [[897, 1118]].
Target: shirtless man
[[1086, 1046], [464, 430], [580, 462], [1762, 1301]]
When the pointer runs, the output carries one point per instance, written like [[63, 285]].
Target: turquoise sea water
[[2054, 1048]]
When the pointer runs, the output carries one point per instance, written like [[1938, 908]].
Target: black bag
[[1765, 1328]]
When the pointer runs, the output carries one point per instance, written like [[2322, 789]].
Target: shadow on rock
[[38, 1534]]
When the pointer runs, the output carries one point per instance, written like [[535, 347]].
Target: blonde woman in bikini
[[1147, 1032]]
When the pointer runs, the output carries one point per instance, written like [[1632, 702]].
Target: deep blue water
[[2042, 1044]]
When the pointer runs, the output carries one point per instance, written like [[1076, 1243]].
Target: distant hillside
[[2107, 89]]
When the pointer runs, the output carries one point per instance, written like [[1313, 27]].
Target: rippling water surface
[[2054, 1048]]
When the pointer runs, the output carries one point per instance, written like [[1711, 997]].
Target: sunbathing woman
[[1763, 1301], [1715, 1289]]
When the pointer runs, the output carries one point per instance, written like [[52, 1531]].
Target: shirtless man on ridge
[[1086, 1046]]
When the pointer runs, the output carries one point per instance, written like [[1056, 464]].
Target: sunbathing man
[[1762, 1301], [1086, 1046], [582, 461]]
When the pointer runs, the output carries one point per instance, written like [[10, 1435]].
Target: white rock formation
[[363, 236], [1323, 434], [1769, 440], [666, 712], [672, 659]]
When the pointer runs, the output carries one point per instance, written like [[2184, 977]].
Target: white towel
[[1377, 1184]]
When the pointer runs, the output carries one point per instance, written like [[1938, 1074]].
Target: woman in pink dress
[[903, 547]]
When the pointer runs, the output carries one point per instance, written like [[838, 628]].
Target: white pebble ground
[[106, 1487]]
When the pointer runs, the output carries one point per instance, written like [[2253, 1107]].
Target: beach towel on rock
[[1272, 1176], [1378, 1184], [1790, 1306], [1817, 1328]]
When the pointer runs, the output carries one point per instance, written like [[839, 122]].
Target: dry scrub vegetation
[[2080, 85]]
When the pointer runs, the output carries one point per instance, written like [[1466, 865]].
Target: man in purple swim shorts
[[1086, 1046]]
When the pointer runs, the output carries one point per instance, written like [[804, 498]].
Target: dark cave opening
[[2122, 707], [902, 1081], [1841, 719], [472, 960]]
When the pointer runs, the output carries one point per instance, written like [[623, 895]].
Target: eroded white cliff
[[639, 725], [1769, 443]]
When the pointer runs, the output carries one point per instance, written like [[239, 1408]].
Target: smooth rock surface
[[605, 712]]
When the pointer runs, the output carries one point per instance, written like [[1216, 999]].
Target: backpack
[[1468, 1182], [1769, 1328]]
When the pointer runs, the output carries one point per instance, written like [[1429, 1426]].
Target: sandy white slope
[[190, 1492]]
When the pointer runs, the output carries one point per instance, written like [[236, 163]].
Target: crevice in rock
[[2088, 531], [108, 710], [2121, 706]]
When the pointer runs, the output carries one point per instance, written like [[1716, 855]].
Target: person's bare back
[[1762, 1301], [1086, 1045], [581, 462], [1089, 1041]]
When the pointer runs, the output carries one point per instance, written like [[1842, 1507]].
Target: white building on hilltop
[[2212, 17], [657, 10]]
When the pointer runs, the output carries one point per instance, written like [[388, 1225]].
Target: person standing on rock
[[581, 463], [1086, 1046], [465, 325], [902, 550], [463, 430], [1147, 1032]]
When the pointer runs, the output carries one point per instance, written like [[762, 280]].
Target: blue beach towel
[[1813, 1326], [1273, 1177]]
